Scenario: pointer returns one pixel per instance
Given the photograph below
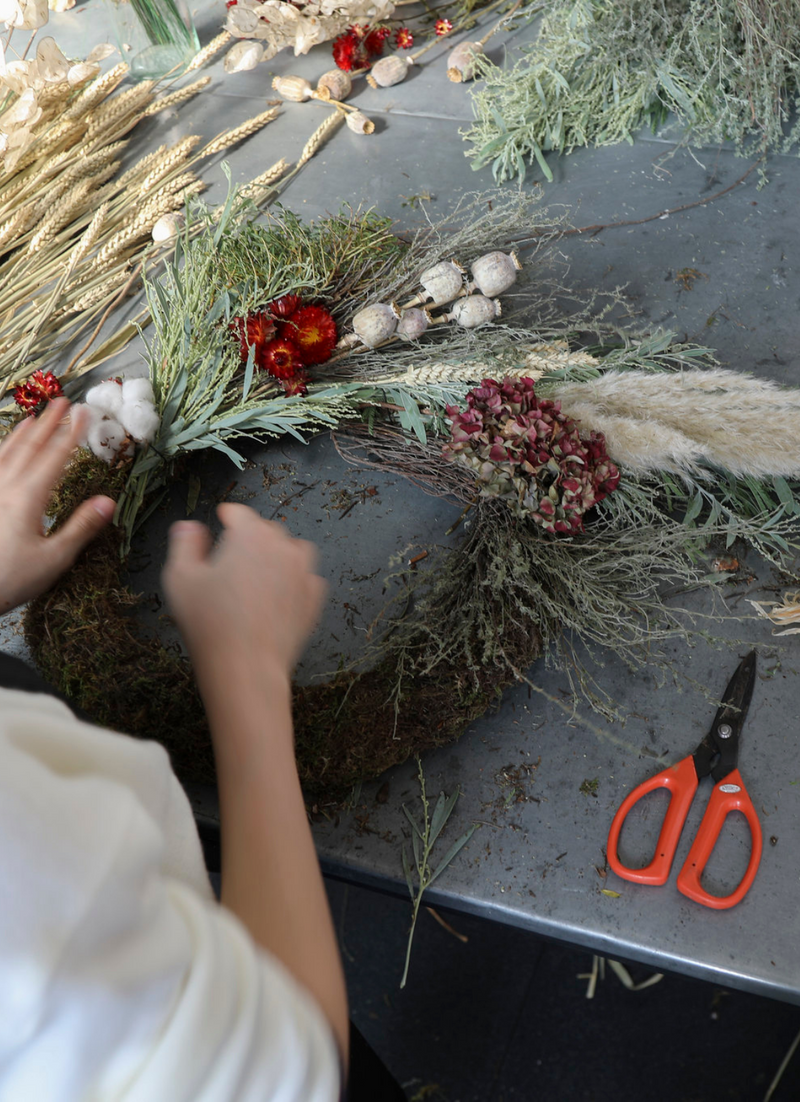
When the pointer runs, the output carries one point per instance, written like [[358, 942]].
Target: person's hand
[[32, 459], [251, 602]]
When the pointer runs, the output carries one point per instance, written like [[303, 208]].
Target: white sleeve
[[120, 976]]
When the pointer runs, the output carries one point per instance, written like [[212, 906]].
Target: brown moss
[[86, 642]]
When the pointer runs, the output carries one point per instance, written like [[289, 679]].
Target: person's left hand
[[32, 459]]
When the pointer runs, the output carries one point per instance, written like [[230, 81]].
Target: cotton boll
[[137, 390], [91, 417], [140, 420], [108, 439], [106, 397]]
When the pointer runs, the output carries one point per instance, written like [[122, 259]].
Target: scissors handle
[[728, 795], [681, 780]]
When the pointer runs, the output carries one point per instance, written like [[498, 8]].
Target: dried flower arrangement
[[359, 32], [73, 229], [626, 446], [599, 70]]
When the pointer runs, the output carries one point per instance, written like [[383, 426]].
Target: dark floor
[[505, 1017]]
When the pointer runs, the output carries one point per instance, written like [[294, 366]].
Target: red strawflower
[[230, 3], [374, 41], [281, 359], [442, 26], [284, 306], [296, 386], [404, 38], [37, 390], [348, 51], [313, 331], [257, 328]]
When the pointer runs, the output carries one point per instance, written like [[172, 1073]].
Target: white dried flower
[[109, 440], [140, 420], [81, 72], [28, 14], [60, 5], [138, 390], [100, 52], [107, 397], [243, 56], [51, 64]]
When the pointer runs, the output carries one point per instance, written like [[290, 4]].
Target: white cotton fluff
[[106, 397], [93, 416], [137, 390], [140, 420], [108, 440]]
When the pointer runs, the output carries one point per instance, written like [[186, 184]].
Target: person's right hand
[[251, 602]]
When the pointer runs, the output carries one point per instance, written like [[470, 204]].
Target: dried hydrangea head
[[524, 450]]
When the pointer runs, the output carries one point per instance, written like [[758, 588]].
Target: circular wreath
[[587, 481]]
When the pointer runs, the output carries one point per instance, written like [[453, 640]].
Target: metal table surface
[[527, 771]]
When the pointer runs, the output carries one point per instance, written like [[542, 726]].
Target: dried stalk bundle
[[599, 70], [72, 230]]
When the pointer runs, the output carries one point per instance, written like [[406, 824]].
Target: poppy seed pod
[[375, 324], [495, 272], [475, 310], [413, 324], [443, 282], [359, 123], [461, 61], [389, 71], [335, 84], [296, 89]]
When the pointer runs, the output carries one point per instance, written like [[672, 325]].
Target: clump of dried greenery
[[601, 69]]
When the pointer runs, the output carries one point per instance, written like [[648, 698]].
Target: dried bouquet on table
[[599, 70], [74, 229], [592, 478]]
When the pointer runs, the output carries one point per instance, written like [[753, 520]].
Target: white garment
[[121, 978]]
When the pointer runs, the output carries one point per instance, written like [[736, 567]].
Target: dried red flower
[[296, 386], [404, 39], [375, 40], [442, 26], [313, 330], [281, 359], [37, 390], [524, 450], [348, 51], [257, 328], [284, 306], [230, 3]]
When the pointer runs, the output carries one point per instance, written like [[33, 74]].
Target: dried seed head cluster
[[524, 450]]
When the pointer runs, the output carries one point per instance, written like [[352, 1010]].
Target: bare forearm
[[270, 873]]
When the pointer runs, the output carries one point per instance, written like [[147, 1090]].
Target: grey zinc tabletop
[[542, 782]]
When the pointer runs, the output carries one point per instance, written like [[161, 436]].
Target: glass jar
[[155, 37]]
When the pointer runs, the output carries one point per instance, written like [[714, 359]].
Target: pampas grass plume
[[680, 422]]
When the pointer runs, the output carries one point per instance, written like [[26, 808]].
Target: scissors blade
[[723, 736]]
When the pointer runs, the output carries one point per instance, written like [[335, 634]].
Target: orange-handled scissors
[[716, 756]]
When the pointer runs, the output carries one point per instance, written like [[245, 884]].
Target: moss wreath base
[[85, 641]]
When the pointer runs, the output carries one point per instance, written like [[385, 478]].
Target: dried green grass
[[600, 70]]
